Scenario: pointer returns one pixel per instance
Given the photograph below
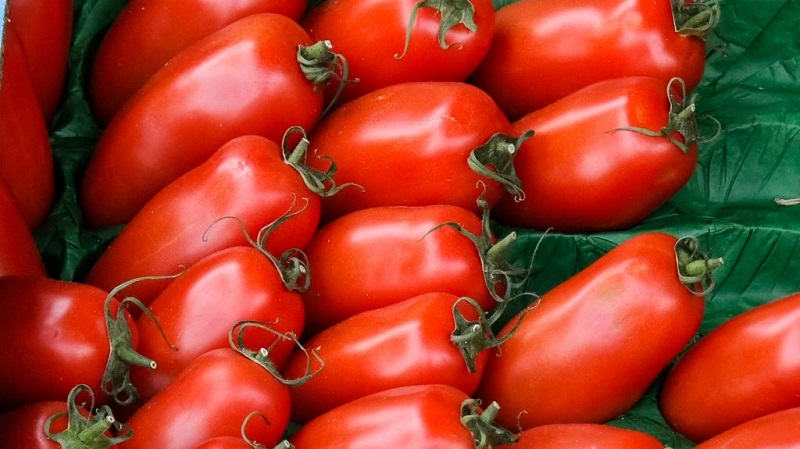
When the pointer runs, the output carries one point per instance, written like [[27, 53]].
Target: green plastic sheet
[[751, 88]]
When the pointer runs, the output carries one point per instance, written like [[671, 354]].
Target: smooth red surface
[[18, 252], [583, 436]]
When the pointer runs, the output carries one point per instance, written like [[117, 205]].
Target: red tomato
[[60, 338], [243, 442], [408, 145], [148, 33], [582, 436], [58, 424], [26, 158], [419, 416], [45, 32], [242, 79], [383, 255], [582, 173], [209, 399], [247, 179], [407, 343], [597, 341], [777, 430], [18, 252], [745, 368], [543, 50], [198, 309], [446, 43]]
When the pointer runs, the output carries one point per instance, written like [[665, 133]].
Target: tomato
[[242, 79], [148, 33], [383, 255], [210, 398], [407, 343], [198, 309], [45, 32], [597, 341], [582, 172], [543, 50], [18, 252], [419, 416], [409, 144], [447, 41], [60, 337], [243, 442], [26, 159], [745, 368], [583, 435], [777, 430], [248, 179], [58, 424]]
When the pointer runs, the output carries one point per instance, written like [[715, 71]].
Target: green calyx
[[321, 66], [681, 118], [452, 13], [495, 160], [319, 182], [485, 432], [116, 380], [261, 356], [694, 268], [87, 432], [695, 18]]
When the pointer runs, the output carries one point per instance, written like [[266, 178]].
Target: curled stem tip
[[321, 66], [90, 431], [485, 432], [451, 13], [495, 160], [695, 18], [694, 268]]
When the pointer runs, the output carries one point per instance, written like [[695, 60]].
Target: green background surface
[[750, 86]]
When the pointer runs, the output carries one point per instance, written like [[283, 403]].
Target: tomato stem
[[116, 377], [452, 12], [485, 433], [319, 182], [87, 432], [694, 268], [696, 18], [320, 65], [495, 160], [262, 355]]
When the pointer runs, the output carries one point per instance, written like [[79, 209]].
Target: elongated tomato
[[583, 435], [242, 79], [586, 169], [18, 252], [597, 341], [246, 179], [747, 367], [543, 50], [148, 33], [777, 430]]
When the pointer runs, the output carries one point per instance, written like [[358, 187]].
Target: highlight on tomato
[[778, 430], [741, 370], [565, 362], [543, 50], [148, 33], [603, 158]]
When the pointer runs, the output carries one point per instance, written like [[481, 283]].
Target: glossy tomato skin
[[18, 252], [778, 430], [544, 50], [580, 175], [209, 399], [60, 339], [242, 79], [583, 435], [198, 309], [148, 33], [23, 427], [246, 178], [596, 342], [745, 368], [407, 145], [379, 256], [373, 52], [224, 443], [420, 416], [407, 343], [26, 158], [45, 32]]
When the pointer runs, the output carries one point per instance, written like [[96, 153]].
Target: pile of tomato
[[304, 201]]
